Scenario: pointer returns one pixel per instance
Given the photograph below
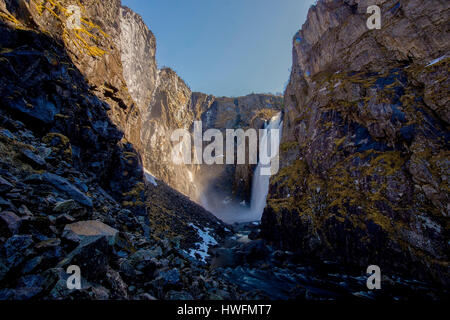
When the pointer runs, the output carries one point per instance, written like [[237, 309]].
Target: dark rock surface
[[365, 153], [72, 187], [76, 129]]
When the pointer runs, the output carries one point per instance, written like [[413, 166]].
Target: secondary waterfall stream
[[230, 213]]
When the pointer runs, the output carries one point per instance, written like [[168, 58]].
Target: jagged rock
[[119, 289], [9, 223], [168, 277], [146, 297], [254, 251], [91, 256], [65, 206], [17, 249], [51, 243], [24, 211], [33, 158], [359, 178], [65, 186], [5, 186], [94, 229], [178, 295], [144, 260], [19, 294]]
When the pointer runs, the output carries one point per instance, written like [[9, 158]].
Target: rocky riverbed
[[263, 272]]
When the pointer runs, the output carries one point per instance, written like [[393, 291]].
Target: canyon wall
[[72, 189], [365, 154], [231, 184], [115, 52]]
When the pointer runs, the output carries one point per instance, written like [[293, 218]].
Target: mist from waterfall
[[231, 212]]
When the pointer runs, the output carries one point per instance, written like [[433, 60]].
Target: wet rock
[[254, 251]]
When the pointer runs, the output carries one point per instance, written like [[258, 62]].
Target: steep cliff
[[230, 183], [169, 110], [115, 52], [365, 154], [72, 189]]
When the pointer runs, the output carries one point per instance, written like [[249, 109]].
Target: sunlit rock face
[[138, 48], [115, 51], [95, 47], [364, 155], [168, 111]]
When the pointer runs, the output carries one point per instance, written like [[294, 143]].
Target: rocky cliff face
[[72, 189], [115, 52], [228, 183], [365, 154], [169, 110]]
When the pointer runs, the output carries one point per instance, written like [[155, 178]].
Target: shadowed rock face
[[365, 155]]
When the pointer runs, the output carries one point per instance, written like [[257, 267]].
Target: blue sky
[[225, 47]]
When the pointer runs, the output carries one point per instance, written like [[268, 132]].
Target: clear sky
[[225, 47]]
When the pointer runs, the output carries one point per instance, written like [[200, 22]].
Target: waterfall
[[260, 183], [231, 212]]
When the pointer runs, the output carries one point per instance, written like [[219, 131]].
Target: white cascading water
[[232, 213], [260, 183]]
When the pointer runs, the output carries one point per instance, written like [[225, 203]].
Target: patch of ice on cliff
[[150, 178], [436, 60], [203, 246]]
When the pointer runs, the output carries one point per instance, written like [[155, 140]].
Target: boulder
[[178, 295], [17, 250], [65, 186], [91, 256], [169, 277], [5, 186], [9, 223], [93, 228], [33, 159], [66, 206]]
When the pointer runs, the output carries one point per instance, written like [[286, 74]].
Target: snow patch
[[202, 247], [436, 60], [150, 178]]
